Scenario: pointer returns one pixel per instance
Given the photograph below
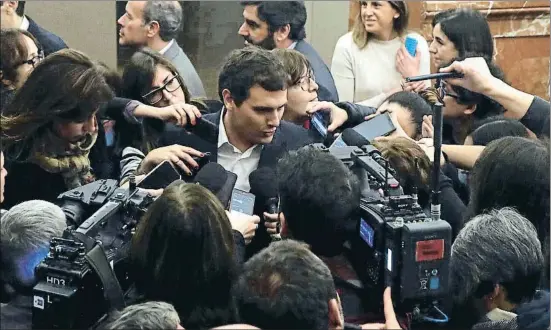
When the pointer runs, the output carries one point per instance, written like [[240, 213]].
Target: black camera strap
[[111, 288]]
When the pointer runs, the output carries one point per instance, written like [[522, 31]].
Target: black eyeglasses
[[33, 60], [156, 95], [442, 92], [306, 82]]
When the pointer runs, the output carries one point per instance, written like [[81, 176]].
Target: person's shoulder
[[294, 134], [345, 40], [417, 36], [46, 38]]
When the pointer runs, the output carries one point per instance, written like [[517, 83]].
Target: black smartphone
[[242, 202], [160, 177], [380, 125], [320, 121]]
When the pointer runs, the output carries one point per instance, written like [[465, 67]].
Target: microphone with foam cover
[[353, 138], [263, 183], [219, 181]]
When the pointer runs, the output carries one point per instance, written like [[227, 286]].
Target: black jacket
[[327, 90], [287, 137], [17, 314], [50, 42], [536, 118]]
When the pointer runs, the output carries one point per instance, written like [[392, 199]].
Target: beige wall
[[327, 21], [89, 26]]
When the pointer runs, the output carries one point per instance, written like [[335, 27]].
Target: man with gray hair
[[495, 268], [25, 234], [156, 24], [150, 315]]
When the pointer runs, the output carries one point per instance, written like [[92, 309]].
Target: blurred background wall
[[520, 28]]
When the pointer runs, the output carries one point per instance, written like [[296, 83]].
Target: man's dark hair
[[485, 106], [468, 30], [250, 66], [20, 11], [285, 286], [415, 104], [277, 14], [319, 196], [495, 128]]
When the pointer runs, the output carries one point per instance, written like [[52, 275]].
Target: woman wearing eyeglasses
[[20, 52], [153, 80]]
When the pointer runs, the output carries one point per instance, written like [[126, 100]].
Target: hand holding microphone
[[245, 224]]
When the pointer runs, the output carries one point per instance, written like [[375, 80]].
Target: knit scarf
[[56, 155]]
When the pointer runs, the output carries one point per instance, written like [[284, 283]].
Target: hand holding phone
[[411, 45], [320, 121]]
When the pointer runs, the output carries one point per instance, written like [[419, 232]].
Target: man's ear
[[229, 103], [336, 319], [153, 29], [470, 109], [282, 33]]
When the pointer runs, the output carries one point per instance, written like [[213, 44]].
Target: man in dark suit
[[280, 24], [248, 132], [156, 24], [13, 16]]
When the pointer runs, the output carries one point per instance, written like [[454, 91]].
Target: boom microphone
[[439, 75], [219, 181]]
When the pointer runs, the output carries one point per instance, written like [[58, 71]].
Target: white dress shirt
[[24, 23], [233, 160], [163, 51], [292, 46]]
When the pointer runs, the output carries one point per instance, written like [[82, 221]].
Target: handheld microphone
[[263, 183], [219, 181], [353, 138], [439, 75]]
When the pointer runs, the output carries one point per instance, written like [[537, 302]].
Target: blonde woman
[[371, 62]]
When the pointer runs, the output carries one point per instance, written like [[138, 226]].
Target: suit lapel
[[272, 152]]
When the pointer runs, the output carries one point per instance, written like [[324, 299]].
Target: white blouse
[[365, 75]]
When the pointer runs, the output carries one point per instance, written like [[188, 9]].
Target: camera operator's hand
[[338, 115], [427, 144], [391, 322], [178, 155], [476, 74], [245, 224], [177, 113], [272, 222]]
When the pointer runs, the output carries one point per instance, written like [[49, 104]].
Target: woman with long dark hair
[[50, 127], [153, 80], [183, 253]]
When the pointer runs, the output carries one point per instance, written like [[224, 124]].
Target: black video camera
[[85, 271], [396, 243]]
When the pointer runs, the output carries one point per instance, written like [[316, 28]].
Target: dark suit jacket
[[287, 137], [186, 69], [327, 90], [50, 42]]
